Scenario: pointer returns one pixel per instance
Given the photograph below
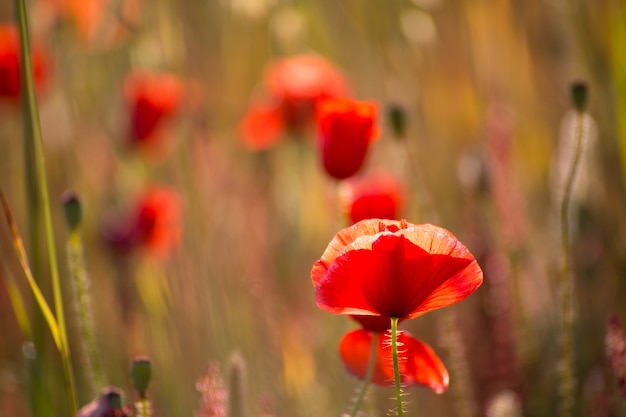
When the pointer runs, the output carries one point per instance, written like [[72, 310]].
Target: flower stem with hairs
[[567, 378], [396, 365]]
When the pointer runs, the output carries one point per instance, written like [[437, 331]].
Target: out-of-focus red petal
[[151, 97], [262, 126], [159, 220], [418, 363], [9, 62], [345, 129], [376, 196], [299, 82], [305, 77], [403, 271]]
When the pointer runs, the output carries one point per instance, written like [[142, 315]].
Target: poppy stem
[[567, 377], [396, 366], [368, 375]]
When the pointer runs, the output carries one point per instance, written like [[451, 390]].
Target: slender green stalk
[[396, 365], [368, 376], [38, 364], [567, 379], [81, 286], [18, 304], [18, 244], [33, 115]]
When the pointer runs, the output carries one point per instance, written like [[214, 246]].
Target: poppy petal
[[418, 363], [402, 271]]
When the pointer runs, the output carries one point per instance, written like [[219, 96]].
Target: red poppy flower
[[299, 82], [10, 62], [418, 363], [345, 129], [376, 197], [153, 223], [393, 269], [293, 87], [152, 98]]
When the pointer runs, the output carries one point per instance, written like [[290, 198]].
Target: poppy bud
[[71, 209], [140, 374], [579, 95], [346, 128], [397, 119]]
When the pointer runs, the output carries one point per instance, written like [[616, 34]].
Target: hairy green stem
[[368, 376], [567, 379], [33, 116], [81, 286], [396, 365]]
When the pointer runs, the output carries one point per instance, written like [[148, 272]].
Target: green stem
[[33, 116], [368, 376], [567, 285], [81, 285], [18, 303], [18, 244], [145, 406], [396, 365]]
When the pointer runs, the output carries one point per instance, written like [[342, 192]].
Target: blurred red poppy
[[418, 363], [101, 24], [377, 196], [393, 269], [152, 223], [152, 98], [10, 62], [292, 89], [345, 129], [299, 82]]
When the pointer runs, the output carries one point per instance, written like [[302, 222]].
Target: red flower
[[152, 98], [419, 365], [346, 128], [10, 62], [100, 23], [152, 223], [393, 269], [299, 82], [292, 88], [376, 197]]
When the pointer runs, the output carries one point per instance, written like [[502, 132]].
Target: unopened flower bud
[[140, 374], [579, 95], [71, 209], [397, 118]]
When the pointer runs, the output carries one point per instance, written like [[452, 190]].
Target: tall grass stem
[[33, 116]]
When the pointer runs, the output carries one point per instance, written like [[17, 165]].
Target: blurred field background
[[485, 85]]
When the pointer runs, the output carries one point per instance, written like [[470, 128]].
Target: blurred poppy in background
[[377, 196], [393, 269], [292, 88], [152, 223], [101, 24], [10, 62], [152, 98], [346, 128]]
